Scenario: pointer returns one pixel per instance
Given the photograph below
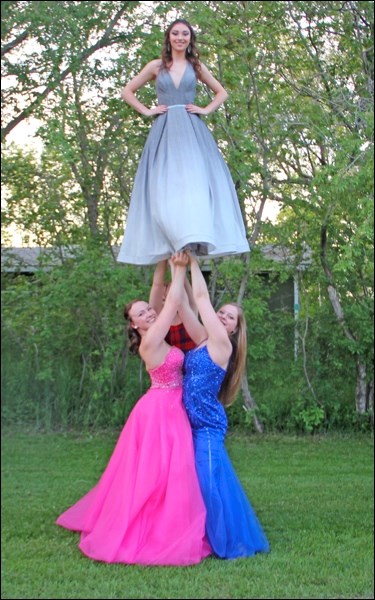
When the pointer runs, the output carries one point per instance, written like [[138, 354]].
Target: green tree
[[296, 131]]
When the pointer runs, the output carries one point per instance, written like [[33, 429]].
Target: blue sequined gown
[[183, 192], [232, 526]]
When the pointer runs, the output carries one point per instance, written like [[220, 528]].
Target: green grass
[[313, 495]]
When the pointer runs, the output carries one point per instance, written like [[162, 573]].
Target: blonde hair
[[237, 361]]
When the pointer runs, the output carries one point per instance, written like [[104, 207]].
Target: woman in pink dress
[[147, 507]]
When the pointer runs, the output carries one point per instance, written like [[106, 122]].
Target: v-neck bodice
[[167, 91], [180, 79]]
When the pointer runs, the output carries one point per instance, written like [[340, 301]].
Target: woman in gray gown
[[183, 194]]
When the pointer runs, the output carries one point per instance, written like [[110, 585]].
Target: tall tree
[[296, 131], [45, 42]]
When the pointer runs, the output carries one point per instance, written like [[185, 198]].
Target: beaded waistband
[[170, 386]]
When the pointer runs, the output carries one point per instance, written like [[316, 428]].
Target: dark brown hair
[[191, 54], [133, 335]]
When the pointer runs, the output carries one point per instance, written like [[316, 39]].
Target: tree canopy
[[296, 132]]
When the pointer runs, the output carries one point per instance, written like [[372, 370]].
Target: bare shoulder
[[204, 72], [220, 352], [203, 67], [154, 66]]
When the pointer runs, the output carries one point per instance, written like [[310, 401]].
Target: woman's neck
[[178, 57]]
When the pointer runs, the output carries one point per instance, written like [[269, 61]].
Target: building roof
[[31, 259], [28, 260]]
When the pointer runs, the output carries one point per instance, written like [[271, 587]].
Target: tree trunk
[[248, 400], [249, 403], [364, 392]]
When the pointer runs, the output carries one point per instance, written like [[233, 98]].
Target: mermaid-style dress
[[183, 192], [147, 507], [232, 526]]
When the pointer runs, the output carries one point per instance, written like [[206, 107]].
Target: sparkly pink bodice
[[168, 374]]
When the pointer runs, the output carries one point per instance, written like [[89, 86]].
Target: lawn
[[313, 496]]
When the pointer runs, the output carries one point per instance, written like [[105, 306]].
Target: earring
[[189, 49], [168, 47]]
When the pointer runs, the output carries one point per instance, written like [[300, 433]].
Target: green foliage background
[[296, 132]]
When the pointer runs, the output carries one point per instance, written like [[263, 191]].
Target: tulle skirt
[[147, 507]]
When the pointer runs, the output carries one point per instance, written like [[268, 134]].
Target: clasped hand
[[179, 259]]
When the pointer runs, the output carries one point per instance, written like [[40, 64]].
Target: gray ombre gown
[[183, 192]]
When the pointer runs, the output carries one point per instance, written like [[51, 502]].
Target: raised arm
[[218, 344], [153, 341], [187, 308], [158, 286], [190, 297], [192, 324]]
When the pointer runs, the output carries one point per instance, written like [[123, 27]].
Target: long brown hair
[[191, 54], [133, 335], [237, 361]]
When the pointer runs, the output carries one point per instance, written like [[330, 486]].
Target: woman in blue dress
[[212, 377], [183, 193]]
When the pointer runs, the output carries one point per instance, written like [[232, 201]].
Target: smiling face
[[142, 315], [228, 316], [179, 37]]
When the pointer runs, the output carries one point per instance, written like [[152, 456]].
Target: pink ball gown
[[147, 507]]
